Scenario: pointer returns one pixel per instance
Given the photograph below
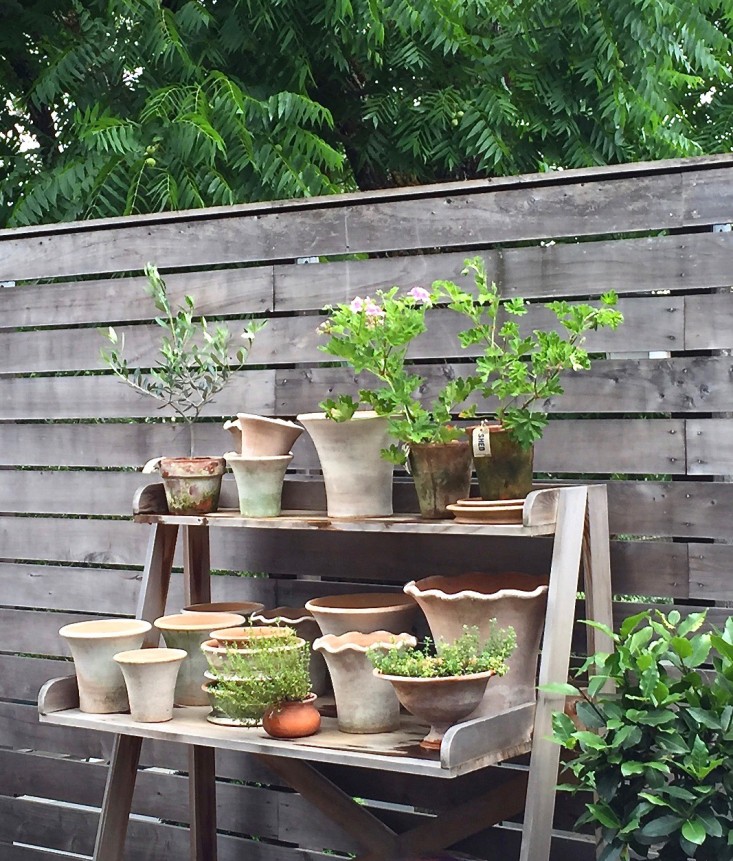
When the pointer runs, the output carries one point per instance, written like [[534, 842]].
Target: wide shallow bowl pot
[[260, 436], [187, 631], [364, 703], [93, 646], [512, 598], [292, 719], [241, 608], [363, 612], [441, 702], [305, 626], [150, 676]]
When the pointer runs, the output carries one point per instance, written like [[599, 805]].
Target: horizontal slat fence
[[652, 418]]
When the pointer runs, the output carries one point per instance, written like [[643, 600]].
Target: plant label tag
[[481, 442]]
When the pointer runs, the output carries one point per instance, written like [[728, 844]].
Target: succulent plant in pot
[[373, 335], [518, 370], [443, 685], [194, 365]]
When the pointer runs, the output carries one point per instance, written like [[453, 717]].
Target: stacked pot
[[261, 457]]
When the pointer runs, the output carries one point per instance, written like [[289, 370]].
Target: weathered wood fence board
[[656, 428]]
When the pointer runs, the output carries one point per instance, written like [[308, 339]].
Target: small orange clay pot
[[292, 719]]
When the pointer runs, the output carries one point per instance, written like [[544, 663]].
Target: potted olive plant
[[194, 365], [373, 336], [445, 684], [518, 371]]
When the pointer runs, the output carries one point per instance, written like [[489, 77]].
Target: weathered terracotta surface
[[188, 631], [259, 483], [257, 436], [241, 608], [150, 676], [364, 702], [364, 612], [93, 646], [305, 626], [192, 484], [513, 599], [507, 472], [442, 475], [358, 479], [440, 702], [292, 719]]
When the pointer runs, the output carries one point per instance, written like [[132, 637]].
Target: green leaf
[[694, 831]]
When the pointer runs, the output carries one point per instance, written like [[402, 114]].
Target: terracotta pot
[[292, 719], [364, 703], [259, 483], [216, 654], [442, 475], [188, 631], [241, 608], [250, 635], [441, 702], [258, 436], [363, 612], [305, 626], [150, 676], [93, 646], [192, 484], [506, 471], [512, 598], [358, 479]]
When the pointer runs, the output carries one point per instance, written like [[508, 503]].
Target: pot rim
[[399, 603], [232, 456], [359, 415], [335, 644], [311, 698], [414, 679], [248, 607], [150, 656], [252, 633], [272, 617], [190, 622], [415, 592], [85, 630], [223, 650], [269, 420]]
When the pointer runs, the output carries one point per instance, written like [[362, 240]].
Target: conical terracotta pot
[[506, 471], [192, 484], [441, 702], [474, 600], [150, 676], [93, 646], [259, 483], [305, 626], [241, 608], [363, 612], [292, 719], [260, 436], [358, 479], [364, 702], [188, 631], [442, 475]]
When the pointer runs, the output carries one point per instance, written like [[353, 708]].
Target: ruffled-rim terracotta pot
[[305, 626], [260, 435], [259, 483], [192, 484], [150, 676], [364, 703], [188, 631], [440, 702], [511, 598], [363, 612], [241, 608], [292, 719], [93, 645], [358, 479]]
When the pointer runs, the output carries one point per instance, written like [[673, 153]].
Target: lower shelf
[[466, 747]]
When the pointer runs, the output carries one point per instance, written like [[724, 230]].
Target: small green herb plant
[[657, 753], [194, 361], [520, 370], [464, 656], [374, 335]]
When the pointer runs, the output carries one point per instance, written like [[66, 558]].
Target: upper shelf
[[538, 518]]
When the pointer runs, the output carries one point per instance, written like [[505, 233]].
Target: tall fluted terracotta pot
[[512, 598]]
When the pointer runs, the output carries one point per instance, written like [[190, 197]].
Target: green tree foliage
[[122, 106]]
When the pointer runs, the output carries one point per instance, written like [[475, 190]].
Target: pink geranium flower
[[357, 304], [419, 294]]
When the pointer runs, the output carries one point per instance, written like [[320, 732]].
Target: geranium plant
[[520, 370], [657, 752], [373, 335]]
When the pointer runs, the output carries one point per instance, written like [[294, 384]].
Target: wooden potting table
[[577, 516]]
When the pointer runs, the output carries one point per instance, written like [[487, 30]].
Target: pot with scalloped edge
[[512, 599], [305, 626]]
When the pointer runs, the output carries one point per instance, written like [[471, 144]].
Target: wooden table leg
[[115, 815], [196, 564]]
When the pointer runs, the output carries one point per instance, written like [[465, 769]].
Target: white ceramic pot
[[259, 483], [365, 703], [150, 676], [513, 599], [93, 646], [363, 612], [258, 436], [188, 631], [358, 479]]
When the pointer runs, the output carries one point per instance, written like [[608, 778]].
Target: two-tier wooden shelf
[[577, 518]]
